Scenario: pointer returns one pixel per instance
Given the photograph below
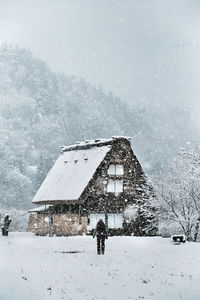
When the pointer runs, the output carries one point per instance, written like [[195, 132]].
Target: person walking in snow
[[101, 234]]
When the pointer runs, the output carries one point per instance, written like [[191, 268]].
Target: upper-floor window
[[115, 186], [116, 170]]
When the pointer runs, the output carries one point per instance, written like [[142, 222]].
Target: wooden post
[[51, 210], [79, 213]]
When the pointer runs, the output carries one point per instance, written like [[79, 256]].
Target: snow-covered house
[[90, 180]]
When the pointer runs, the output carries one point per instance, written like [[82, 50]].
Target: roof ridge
[[88, 144]]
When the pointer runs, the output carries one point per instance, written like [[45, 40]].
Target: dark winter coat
[[100, 230]]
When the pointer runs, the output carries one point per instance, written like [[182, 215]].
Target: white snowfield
[[38, 268]]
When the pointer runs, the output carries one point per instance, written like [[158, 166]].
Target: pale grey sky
[[142, 50]]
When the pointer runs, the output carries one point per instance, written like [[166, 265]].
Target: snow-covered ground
[[34, 268]]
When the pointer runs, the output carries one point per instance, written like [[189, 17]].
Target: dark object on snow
[[68, 252], [101, 234], [178, 239], [6, 225]]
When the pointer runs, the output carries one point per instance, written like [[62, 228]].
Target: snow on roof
[[70, 175], [40, 208], [78, 144], [96, 142], [122, 137]]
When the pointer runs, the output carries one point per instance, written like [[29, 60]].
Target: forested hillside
[[40, 111]]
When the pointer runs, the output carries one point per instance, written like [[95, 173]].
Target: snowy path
[[32, 268]]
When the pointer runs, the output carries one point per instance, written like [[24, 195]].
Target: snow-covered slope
[[132, 268], [40, 111]]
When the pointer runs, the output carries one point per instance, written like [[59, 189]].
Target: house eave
[[56, 202]]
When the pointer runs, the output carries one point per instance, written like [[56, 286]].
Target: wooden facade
[[117, 182]]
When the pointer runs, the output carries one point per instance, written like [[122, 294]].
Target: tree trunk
[[196, 231], [50, 224]]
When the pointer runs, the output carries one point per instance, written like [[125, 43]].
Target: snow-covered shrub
[[131, 213], [167, 228], [142, 216]]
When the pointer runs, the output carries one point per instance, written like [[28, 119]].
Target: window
[[118, 186], [115, 221], [116, 170], [111, 186], [94, 218], [115, 186]]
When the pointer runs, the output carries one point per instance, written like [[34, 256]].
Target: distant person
[[6, 225], [101, 234]]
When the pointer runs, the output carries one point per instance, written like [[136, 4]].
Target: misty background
[[81, 69]]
